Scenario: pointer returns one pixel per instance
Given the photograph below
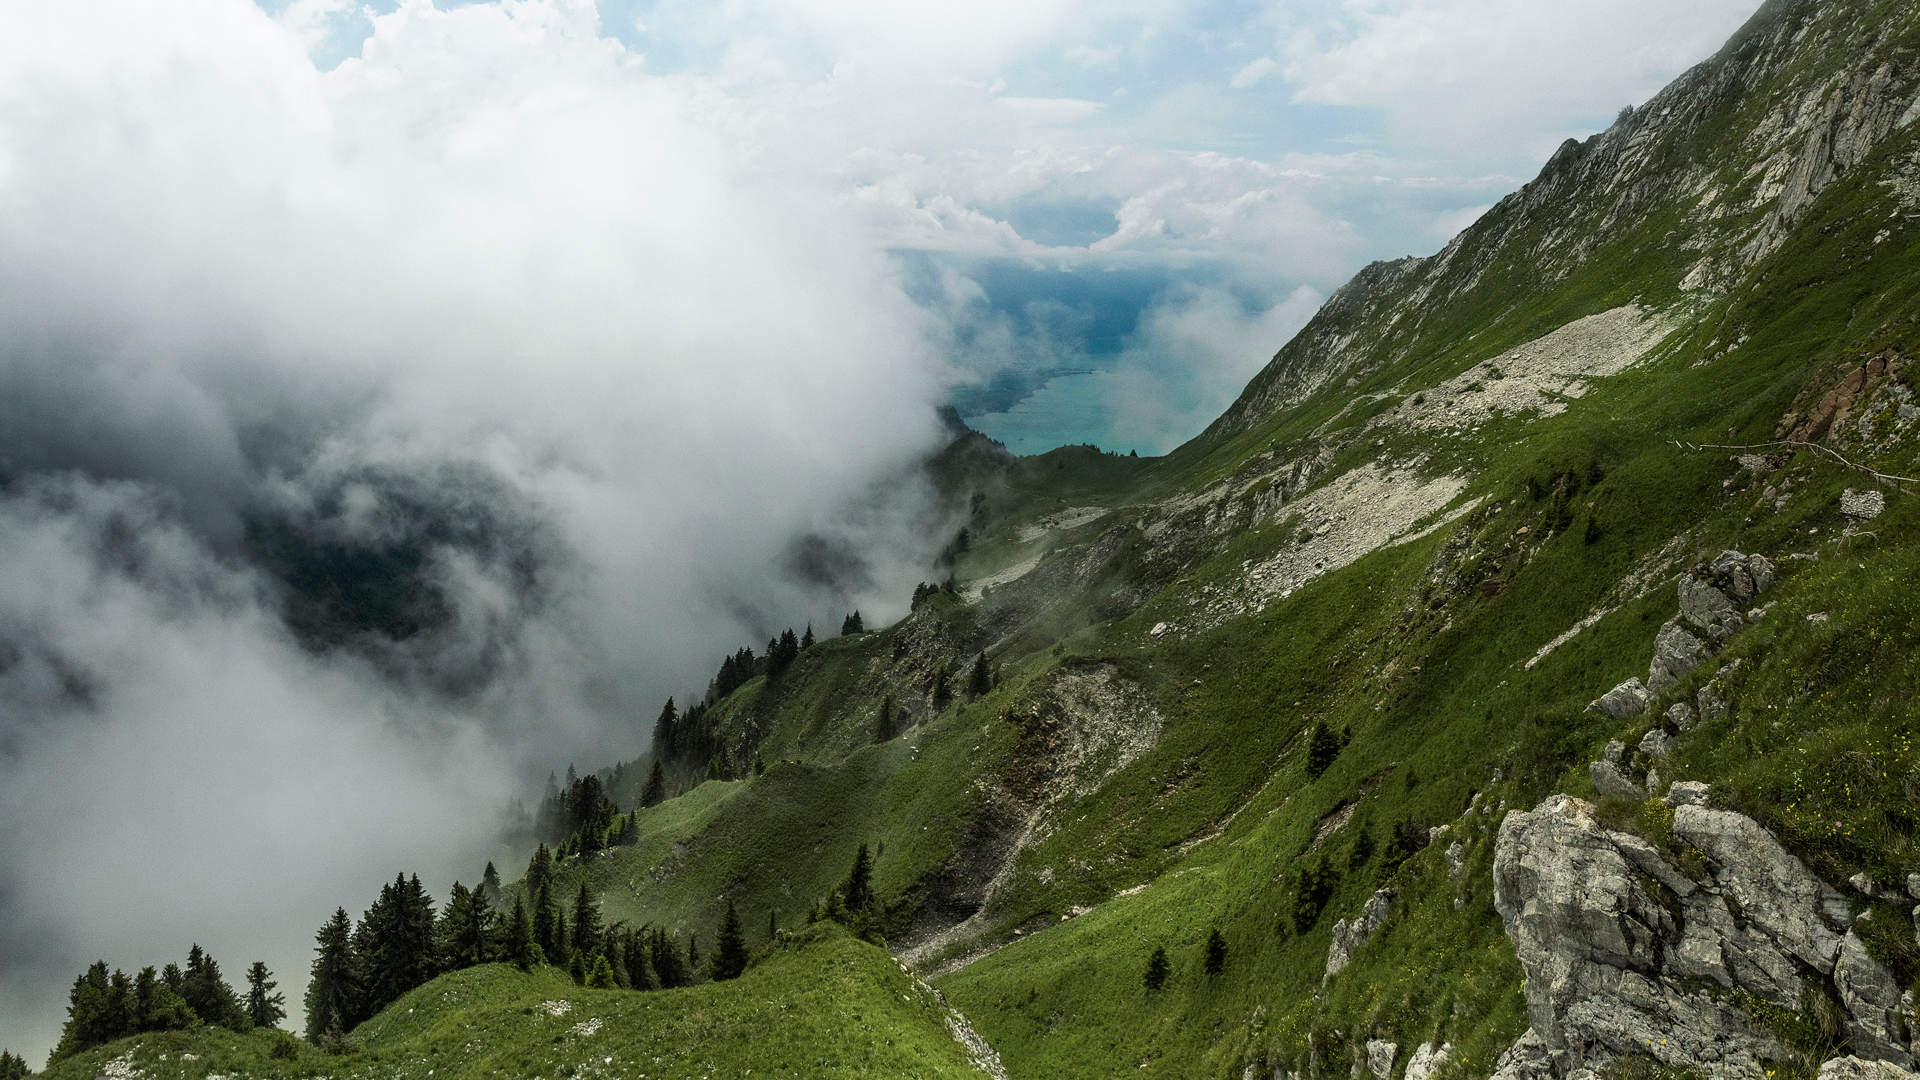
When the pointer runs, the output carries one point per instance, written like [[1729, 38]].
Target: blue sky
[[1072, 187]]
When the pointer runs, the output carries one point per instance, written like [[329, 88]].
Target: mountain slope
[[1310, 679]]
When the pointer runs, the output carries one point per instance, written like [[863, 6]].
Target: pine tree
[[601, 976], [668, 966], [522, 951], [208, 994], [633, 950], [88, 1024], [806, 639], [490, 883], [264, 1008], [333, 990], [666, 729], [730, 947], [859, 888], [981, 681], [1157, 968], [12, 1066], [1216, 952], [852, 625], [577, 967], [655, 792], [887, 726], [539, 870], [693, 954], [1323, 746], [156, 1007], [586, 920], [547, 932]]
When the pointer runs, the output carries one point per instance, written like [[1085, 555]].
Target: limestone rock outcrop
[[1712, 595], [1630, 698], [1348, 936], [1617, 942]]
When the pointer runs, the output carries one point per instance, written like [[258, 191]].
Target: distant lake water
[[1068, 410]]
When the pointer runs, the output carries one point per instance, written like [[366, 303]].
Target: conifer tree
[[522, 951], [655, 792], [587, 931], [634, 949], [806, 639], [334, 988], [490, 883], [981, 681], [693, 954], [1323, 746], [666, 734], [668, 966], [888, 725], [12, 1066], [577, 967], [601, 976], [264, 1007], [1157, 968], [852, 625], [1216, 952], [208, 994], [859, 887], [730, 947], [546, 923], [156, 1007], [88, 1024], [539, 870]]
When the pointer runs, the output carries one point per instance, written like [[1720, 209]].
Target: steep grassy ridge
[[826, 1006]]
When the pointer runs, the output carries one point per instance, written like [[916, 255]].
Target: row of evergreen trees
[[582, 816], [13, 1066], [103, 1007]]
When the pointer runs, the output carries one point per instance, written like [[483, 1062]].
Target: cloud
[[376, 440], [1493, 76]]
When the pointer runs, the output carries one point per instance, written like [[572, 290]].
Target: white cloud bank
[[491, 295]]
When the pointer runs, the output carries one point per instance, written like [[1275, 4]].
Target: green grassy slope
[[1083, 835], [826, 1006]]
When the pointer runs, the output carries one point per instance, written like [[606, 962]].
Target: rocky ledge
[[1631, 949]]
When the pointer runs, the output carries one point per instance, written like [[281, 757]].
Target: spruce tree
[[334, 988], [490, 883], [549, 928], [730, 947], [852, 625], [1323, 746], [522, 951], [12, 1066], [668, 966], [539, 870], [666, 733], [156, 1007], [87, 1024], [859, 888], [633, 950], [587, 931], [806, 639], [693, 954], [655, 792], [208, 994], [981, 681], [264, 1007], [1157, 968], [1216, 952], [601, 976]]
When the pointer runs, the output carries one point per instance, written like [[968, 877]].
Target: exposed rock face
[[1349, 936], [1711, 598], [1611, 933], [1630, 698], [1611, 783], [1853, 1068], [1657, 744], [1428, 1060], [1862, 505], [1380, 1057]]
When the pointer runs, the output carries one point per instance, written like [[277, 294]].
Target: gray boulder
[[1716, 696], [1611, 783], [1871, 995], [1349, 936], [1628, 699], [1853, 1068], [1658, 744], [1676, 652], [1380, 1057], [1427, 1060], [1705, 608], [1687, 793], [1680, 715]]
